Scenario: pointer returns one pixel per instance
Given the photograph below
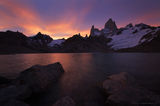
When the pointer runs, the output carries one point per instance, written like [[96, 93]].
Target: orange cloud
[[18, 15]]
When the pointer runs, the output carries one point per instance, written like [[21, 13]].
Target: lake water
[[84, 72]]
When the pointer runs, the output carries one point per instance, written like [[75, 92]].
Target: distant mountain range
[[138, 38]]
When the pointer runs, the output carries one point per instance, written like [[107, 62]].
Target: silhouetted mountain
[[40, 42], [131, 38], [109, 28], [14, 42], [110, 25], [140, 37], [77, 43], [41, 39]]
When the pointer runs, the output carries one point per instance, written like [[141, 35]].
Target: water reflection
[[84, 71]]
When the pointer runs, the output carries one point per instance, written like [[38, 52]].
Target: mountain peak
[[111, 25], [129, 25], [39, 33], [110, 19], [41, 38], [92, 31], [92, 27]]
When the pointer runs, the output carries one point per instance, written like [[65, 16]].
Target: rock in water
[[39, 77], [15, 92], [115, 82], [14, 96], [123, 89], [33, 80], [66, 101], [14, 103]]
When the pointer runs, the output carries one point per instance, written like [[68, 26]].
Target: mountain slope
[[77, 43], [132, 36], [139, 37], [14, 42], [40, 42], [151, 43]]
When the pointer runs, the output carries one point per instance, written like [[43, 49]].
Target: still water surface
[[84, 72]]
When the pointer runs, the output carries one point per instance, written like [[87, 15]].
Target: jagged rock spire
[[92, 30], [111, 25]]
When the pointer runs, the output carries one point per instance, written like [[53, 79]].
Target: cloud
[[64, 18], [18, 16]]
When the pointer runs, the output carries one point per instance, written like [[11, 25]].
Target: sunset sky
[[64, 18]]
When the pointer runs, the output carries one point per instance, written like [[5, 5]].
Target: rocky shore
[[120, 89], [123, 89], [30, 82]]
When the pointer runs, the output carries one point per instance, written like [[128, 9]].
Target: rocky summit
[[110, 25], [109, 28]]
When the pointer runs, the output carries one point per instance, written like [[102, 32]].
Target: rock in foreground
[[4, 80], [14, 103], [31, 81], [123, 89], [66, 101], [39, 77]]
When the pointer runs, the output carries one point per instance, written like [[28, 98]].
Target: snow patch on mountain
[[96, 33], [129, 37], [56, 42]]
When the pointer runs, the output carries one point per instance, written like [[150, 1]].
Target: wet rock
[[39, 77], [4, 80], [118, 81], [33, 80], [13, 103], [15, 92], [123, 88], [66, 101]]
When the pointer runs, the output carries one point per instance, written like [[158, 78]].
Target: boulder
[[4, 80], [15, 92], [116, 82], [14, 103], [33, 80], [123, 88], [39, 77], [66, 101]]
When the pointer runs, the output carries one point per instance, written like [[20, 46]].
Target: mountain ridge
[[131, 38]]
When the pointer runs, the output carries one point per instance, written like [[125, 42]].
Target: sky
[[64, 18]]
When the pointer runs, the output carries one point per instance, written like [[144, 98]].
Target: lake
[[84, 72]]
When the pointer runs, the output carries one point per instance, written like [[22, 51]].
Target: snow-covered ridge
[[126, 37], [56, 42], [131, 36]]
